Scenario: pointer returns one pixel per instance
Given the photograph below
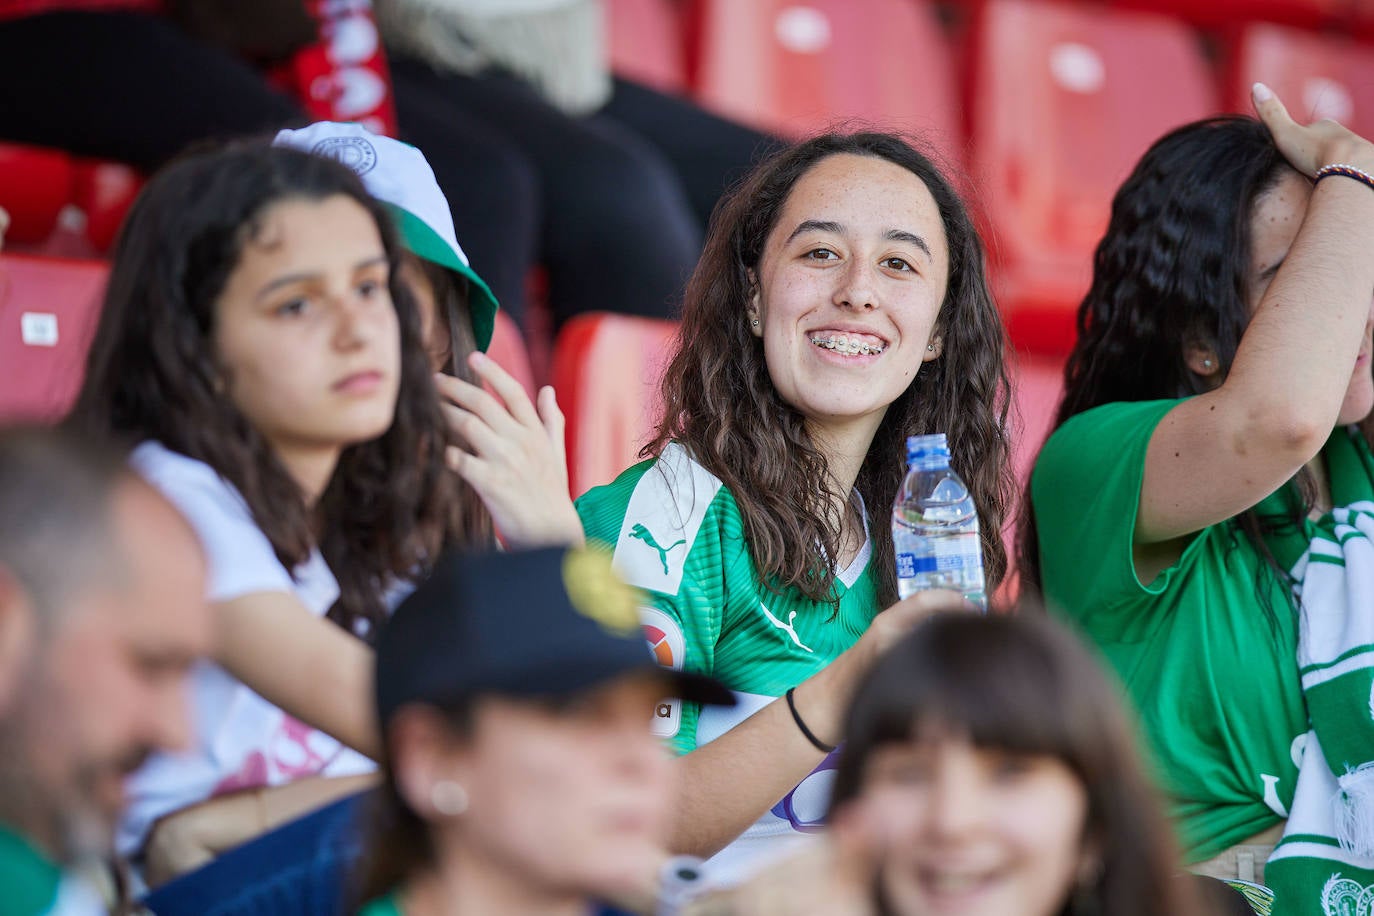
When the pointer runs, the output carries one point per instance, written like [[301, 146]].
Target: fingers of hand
[[1307, 147], [552, 417], [478, 401], [931, 601], [510, 391]]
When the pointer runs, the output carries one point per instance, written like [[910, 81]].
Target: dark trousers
[[126, 86], [304, 868], [613, 204]]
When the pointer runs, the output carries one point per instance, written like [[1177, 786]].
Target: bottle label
[[906, 565], [943, 563]]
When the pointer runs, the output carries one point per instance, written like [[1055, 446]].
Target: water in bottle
[[935, 525]]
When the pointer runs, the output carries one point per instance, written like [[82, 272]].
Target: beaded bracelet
[[1345, 171], [817, 743]]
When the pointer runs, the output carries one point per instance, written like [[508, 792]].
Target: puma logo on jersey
[[787, 628], [645, 535]]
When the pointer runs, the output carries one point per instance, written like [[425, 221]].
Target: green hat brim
[[424, 242]]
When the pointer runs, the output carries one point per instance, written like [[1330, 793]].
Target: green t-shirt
[[677, 534], [381, 906], [1215, 685], [28, 881]]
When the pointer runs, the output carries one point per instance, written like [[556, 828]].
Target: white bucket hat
[[398, 175]]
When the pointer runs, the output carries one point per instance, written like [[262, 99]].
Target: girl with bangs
[[989, 768], [996, 772], [840, 306], [261, 351]]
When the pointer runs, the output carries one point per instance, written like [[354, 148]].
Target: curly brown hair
[[152, 373], [720, 401]]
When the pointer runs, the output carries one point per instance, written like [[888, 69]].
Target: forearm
[[726, 785], [187, 839], [283, 804], [303, 664], [1318, 302]]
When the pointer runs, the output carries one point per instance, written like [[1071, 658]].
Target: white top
[[240, 740]]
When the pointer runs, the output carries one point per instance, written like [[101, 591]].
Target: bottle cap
[[927, 448]]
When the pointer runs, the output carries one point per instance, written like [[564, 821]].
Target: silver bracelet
[[1345, 171]]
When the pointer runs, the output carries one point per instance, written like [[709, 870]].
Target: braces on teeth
[[845, 345]]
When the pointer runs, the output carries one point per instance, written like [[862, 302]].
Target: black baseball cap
[[537, 623]]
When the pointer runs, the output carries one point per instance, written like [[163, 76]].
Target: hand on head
[[1308, 147], [512, 454]]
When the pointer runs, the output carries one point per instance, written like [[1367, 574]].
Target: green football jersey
[[676, 533], [1215, 684]]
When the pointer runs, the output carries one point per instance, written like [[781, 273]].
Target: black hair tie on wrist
[[817, 743]]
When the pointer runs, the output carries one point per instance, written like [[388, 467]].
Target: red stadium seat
[[647, 43], [606, 370], [35, 184], [1065, 101], [44, 188], [508, 350], [1309, 13], [1317, 76], [1037, 383], [48, 312], [104, 191], [798, 67]]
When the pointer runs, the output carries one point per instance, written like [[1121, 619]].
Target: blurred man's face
[[106, 685]]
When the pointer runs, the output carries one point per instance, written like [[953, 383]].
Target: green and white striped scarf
[[1324, 865]]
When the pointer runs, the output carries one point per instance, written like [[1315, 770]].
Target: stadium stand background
[[1041, 108]]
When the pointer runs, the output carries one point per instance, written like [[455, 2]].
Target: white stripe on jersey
[[662, 519]]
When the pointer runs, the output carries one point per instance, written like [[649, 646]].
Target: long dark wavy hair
[[1022, 683], [721, 404], [152, 373], [1170, 274]]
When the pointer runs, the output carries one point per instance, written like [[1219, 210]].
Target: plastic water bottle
[[935, 525]]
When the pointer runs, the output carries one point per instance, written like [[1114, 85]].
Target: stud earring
[[1206, 364], [755, 322], [930, 347], [448, 798]]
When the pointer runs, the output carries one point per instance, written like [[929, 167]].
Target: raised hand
[[1308, 147], [512, 454]]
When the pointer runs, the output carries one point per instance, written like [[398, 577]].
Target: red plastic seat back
[[1309, 13], [1065, 101], [508, 350], [35, 184], [647, 42], [1037, 384], [1317, 76], [606, 370], [61, 204], [49, 308], [799, 67], [105, 191]]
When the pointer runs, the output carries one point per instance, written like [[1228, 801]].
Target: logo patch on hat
[[595, 591], [355, 152]]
